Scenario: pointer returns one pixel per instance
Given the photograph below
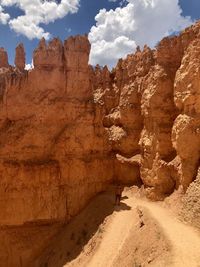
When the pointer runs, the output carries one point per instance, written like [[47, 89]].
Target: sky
[[114, 27]]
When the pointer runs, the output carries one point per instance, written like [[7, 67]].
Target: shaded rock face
[[54, 152], [67, 130]]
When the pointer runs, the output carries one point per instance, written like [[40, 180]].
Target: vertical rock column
[[76, 54], [85, 165], [3, 58], [186, 129], [156, 146], [159, 112], [20, 57], [48, 56]]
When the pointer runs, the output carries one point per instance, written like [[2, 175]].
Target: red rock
[[3, 58], [48, 56], [20, 57]]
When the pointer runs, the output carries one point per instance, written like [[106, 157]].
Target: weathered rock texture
[[190, 210], [67, 130]]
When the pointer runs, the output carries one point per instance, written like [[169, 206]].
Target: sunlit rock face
[[150, 102], [186, 129], [68, 130]]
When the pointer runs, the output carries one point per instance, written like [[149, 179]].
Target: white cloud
[[4, 17], [109, 52], [29, 66], [140, 22], [36, 12]]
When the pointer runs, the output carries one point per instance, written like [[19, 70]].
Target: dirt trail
[[183, 239], [138, 233], [114, 237]]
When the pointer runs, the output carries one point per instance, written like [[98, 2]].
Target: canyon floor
[[136, 233], [152, 237]]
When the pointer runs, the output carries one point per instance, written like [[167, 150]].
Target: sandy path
[[185, 241], [114, 237], [138, 233]]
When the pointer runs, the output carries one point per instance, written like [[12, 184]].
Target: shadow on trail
[[70, 242]]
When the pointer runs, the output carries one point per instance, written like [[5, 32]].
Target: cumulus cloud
[[4, 17], [36, 12], [29, 66], [139, 22]]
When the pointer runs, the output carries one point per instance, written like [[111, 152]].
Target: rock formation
[[155, 112], [67, 130], [3, 58], [54, 154], [20, 57]]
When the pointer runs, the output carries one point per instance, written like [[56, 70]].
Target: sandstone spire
[[3, 58], [76, 52], [20, 57], [48, 55]]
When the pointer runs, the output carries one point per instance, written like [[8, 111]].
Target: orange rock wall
[[155, 113], [54, 152]]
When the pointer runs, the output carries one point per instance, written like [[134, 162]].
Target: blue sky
[[113, 37]]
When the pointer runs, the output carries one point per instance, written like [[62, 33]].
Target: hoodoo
[[3, 58], [20, 57]]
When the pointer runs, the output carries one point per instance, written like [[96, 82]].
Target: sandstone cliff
[[67, 130], [151, 106], [54, 154]]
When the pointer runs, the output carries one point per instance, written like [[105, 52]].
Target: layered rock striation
[[67, 130]]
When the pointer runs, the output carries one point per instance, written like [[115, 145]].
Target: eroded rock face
[[67, 130], [186, 129], [150, 103]]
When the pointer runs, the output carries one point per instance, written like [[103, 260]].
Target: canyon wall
[[154, 121], [68, 130], [54, 152]]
